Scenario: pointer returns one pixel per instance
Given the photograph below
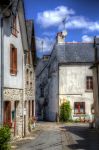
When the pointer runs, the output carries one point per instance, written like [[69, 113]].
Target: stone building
[[95, 69], [17, 56], [30, 74], [66, 76]]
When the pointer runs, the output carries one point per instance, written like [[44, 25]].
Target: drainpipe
[[23, 103], [2, 72]]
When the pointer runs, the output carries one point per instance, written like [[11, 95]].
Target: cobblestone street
[[52, 136]]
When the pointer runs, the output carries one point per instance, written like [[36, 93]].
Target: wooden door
[[7, 112]]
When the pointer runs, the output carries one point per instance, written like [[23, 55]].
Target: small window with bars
[[89, 83]]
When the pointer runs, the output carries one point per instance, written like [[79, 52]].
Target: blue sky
[[82, 20]]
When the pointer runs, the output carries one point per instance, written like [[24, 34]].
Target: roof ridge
[[79, 42]]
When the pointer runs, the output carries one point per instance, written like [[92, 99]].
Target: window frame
[[78, 108], [13, 60], [89, 83]]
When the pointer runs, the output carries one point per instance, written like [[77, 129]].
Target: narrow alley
[[69, 136]]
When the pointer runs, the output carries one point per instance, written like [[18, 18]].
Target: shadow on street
[[81, 137]]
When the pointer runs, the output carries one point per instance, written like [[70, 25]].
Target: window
[[29, 108], [89, 82], [79, 107], [14, 26], [28, 57], [13, 60], [32, 108], [27, 74], [42, 91], [31, 76]]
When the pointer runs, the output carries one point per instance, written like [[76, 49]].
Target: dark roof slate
[[29, 26], [75, 52]]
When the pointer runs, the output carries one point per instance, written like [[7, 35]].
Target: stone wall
[[13, 94]]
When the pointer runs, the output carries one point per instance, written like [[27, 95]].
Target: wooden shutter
[[13, 60], [29, 111], [7, 112], [91, 83], [32, 108]]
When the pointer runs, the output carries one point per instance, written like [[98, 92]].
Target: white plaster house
[[68, 76], [16, 105], [95, 69]]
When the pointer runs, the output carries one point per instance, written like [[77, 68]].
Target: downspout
[[23, 102], [58, 96], [97, 71], [97, 81], [2, 71]]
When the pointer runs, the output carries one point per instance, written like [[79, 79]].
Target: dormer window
[[13, 60]]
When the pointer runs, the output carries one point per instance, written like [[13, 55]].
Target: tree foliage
[[65, 111], [5, 136]]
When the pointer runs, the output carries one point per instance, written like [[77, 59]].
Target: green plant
[[5, 136], [65, 111]]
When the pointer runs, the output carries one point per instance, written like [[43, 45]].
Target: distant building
[[17, 53], [65, 76], [30, 73]]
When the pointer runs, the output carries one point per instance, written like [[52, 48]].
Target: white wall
[[9, 80], [72, 85]]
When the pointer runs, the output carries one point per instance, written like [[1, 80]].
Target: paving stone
[[63, 137]]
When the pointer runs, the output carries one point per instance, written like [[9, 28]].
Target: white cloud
[[53, 17], [86, 38], [80, 22], [44, 44]]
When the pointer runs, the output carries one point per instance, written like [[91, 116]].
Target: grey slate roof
[[29, 27], [75, 52]]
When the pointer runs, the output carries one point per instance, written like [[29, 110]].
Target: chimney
[[60, 38]]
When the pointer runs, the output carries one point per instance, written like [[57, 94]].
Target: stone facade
[[13, 94]]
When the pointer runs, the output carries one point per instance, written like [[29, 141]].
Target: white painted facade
[[11, 81], [72, 86]]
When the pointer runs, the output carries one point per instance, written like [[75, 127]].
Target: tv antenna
[[64, 29]]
